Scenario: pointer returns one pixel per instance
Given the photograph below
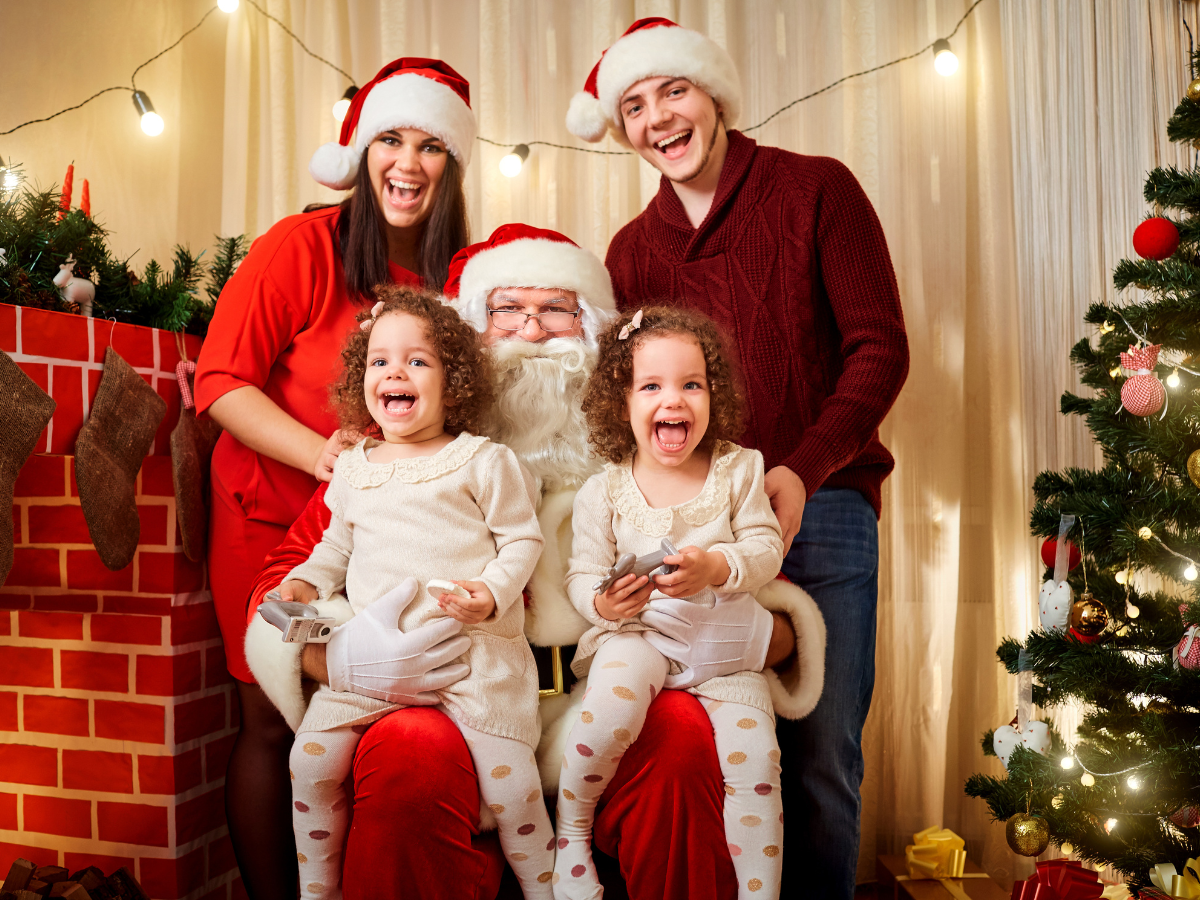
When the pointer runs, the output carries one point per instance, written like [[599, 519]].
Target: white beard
[[539, 389]]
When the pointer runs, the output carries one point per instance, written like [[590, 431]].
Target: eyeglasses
[[550, 321]]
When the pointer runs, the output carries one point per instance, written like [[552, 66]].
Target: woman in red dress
[[272, 352]]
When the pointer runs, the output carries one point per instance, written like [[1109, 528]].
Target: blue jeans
[[835, 557]]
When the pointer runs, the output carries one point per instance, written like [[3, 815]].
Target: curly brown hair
[[466, 367], [605, 401]]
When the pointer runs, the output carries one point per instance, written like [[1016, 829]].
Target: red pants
[[237, 548], [416, 812]]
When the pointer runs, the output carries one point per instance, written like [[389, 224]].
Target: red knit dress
[[791, 261]]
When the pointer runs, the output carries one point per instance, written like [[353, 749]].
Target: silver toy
[[640, 565], [299, 622]]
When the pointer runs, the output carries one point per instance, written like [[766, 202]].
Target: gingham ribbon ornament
[[1142, 394], [1187, 654]]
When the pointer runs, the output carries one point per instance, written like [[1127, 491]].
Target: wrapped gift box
[[894, 883]]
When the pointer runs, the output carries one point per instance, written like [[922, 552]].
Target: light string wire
[[480, 138]]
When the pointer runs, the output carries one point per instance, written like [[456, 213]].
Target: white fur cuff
[[796, 691]]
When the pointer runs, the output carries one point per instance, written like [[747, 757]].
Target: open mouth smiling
[[403, 192], [672, 434], [675, 144], [397, 403]]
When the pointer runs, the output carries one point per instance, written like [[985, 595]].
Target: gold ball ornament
[[1088, 617], [1193, 89], [1027, 834], [1194, 467]]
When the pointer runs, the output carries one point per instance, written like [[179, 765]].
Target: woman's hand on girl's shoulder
[[626, 598], [336, 443]]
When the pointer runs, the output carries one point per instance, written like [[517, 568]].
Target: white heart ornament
[[1035, 737], [1054, 606]]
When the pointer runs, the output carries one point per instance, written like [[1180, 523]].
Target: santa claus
[[539, 300]]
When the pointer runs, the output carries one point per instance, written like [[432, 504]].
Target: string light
[[1109, 825], [1068, 762], [228, 6], [152, 122], [944, 60], [343, 106], [1173, 379], [1122, 577], [510, 165], [1145, 533], [1134, 782], [1190, 572], [1087, 780], [1114, 372], [1131, 611]]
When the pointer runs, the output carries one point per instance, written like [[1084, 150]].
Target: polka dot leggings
[[626, 674], [508, 784]]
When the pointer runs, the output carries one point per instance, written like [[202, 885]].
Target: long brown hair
[[364, 242]]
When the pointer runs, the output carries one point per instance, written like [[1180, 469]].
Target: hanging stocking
[[192, 444], [110, 449], [24, 412]]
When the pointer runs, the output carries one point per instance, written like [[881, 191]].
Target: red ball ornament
[[1050, 547], [1155, 238]]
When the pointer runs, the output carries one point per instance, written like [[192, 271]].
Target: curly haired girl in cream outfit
[[662, 406], [428, 501]]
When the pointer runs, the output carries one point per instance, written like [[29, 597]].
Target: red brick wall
[[117, 715]]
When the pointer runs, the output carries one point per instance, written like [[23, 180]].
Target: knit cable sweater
[[791, 260]]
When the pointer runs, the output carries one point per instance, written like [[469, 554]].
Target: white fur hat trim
[[539, 263]]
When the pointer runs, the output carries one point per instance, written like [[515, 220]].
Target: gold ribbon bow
[[1185, 886], [935, 853]]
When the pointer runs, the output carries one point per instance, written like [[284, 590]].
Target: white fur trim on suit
[[276, 665], [661, 51], [402, 101], [795, 692], [551, 620], [538, 263]]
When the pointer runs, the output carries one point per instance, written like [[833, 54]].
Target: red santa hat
[[522, 256], [411, 92], [652, 47]]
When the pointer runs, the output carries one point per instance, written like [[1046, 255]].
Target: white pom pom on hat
[[652, 47], [411, 92]]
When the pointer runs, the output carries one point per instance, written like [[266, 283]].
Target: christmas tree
[[39, 231], [1124, 791]]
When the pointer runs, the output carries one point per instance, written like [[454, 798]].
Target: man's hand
[[297, 591], [698, 569], [731, 637], [787, 494], [336, 443], [370, 655], [625, 599], [469, 610]]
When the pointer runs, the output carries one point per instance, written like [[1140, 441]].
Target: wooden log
[[51, 874], [20, 873], [70, 890]]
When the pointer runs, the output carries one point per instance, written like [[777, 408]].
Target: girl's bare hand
[[297, 591], [626, 598], [469, 610], [697, 570]]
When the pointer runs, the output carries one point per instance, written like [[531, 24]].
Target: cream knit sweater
[[465, 513], [731, 515]]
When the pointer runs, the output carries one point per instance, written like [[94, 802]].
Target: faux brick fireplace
[[116, 713]]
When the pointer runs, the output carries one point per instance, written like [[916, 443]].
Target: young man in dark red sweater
[[786, 253]]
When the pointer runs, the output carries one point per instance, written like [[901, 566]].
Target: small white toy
[[1035, 737], [73, 288], [438, 586]]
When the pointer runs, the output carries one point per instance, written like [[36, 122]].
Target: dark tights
[[258, 799]]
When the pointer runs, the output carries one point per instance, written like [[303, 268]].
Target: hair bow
[[375, 311], [634, 324]]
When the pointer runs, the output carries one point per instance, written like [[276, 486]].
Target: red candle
[[85, 201], [64, 205]]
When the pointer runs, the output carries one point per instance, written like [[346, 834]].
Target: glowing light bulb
[[152, 122], [944, 60], [1087, 780], [343, 106], [1109, 825], [11, 181], [1173, 379], [228, 6], [1190, 572], [1114, 372], [1145, 533], [1131, 611], [510, 165], [1067, 848], [1134, 782], [1068, 762], [1122, 576]]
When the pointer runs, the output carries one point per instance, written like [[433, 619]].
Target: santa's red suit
[[417, 820]]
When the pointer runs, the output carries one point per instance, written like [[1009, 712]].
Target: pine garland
[[36, 241]]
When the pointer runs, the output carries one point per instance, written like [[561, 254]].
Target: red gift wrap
[[1059, 879]]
